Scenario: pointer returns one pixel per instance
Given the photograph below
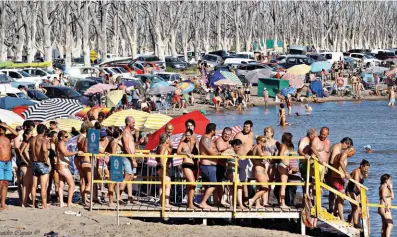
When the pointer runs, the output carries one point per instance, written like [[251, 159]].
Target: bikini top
[[272, 149]]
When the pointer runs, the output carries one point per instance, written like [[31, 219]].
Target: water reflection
[[366, 122]]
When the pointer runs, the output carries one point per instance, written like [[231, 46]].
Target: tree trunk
[[46, 31], [236, 26], [218, 26], [173, 42], [68, 38], [86, 34]]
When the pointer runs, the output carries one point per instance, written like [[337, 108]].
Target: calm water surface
[[367, 123]]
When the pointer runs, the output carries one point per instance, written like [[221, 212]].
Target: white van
[[238, 61], [332, 57]]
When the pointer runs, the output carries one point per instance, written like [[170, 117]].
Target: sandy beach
[[38, 222]]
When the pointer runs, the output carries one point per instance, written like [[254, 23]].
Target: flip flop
[[78, 214]]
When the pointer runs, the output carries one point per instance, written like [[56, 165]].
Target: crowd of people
[[45, 159]]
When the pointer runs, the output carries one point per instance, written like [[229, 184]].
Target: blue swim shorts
[[208, 173], [40, 168], [6, 170], [128, 166]]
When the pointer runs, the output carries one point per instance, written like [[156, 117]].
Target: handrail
[[337, 171]]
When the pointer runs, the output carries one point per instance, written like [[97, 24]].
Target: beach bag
[[308, 220]]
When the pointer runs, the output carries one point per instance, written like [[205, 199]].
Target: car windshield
[[71, 93], [23, 96], [39, 95], [173, 59], [151, 59], [116, 70], [4, 78], [49, 72], [166, 77], [122, 70], [209, 58], [242, 56], [24, 74], [391, 54], [155, 79]]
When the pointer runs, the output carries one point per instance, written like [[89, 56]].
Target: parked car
[[221, 53], [293, 60], [14, 92], [39, 72], [248, 55], [151, 59], [279, 59], [169, 77], [82, 72], [97, 79], [368, 60], [176, 63], [36, 95], [64, 92], [333, 57], [363, 51], [243, 69], [138, 67], [276, 67], [14, 83], [82, 85], [153, 79], [212, 60], [21, 76], [316, 57], [239, 61], [382, 55]]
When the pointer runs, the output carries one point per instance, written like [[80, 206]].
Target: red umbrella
[[19, 110], [179, 127]]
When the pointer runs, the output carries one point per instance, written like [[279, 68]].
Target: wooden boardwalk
[[150, 209]]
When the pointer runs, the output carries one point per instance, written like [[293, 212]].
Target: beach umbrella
[[294, 80], [20, 109], [225, 82], [186, 86], [52, 109], [320, 65], [159, 84], [368, 78], [12, 102], [130, 83], [391, 72], [156, 121], [376, 70], [288, 90], [220, 75], [254, 75], [99, 88], [10, 118], [118, 119], [301, 69], [66, 124], [179, 127], [113, 98], [161, 90]]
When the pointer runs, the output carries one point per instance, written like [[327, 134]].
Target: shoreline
[[258, 102]]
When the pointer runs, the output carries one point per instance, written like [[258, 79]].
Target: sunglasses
[[66, 136]]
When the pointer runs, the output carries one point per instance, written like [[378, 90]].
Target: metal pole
[[118, 203], [235, 180], [163, 197], [92, 180], [307, 176]]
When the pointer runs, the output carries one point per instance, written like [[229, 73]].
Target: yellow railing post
[[163, 186], [307, 176], [364, 211], [235, 180], [317, 187]]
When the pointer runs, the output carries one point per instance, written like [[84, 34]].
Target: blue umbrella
[[216, 76], [320, 65], [288, 90], [186, 86], [12, 102]]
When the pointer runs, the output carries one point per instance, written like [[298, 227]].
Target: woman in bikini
[[386, 194], [103, 163], [286, 148], [188, 147], [83, 163], [281, 116], [26, 167], [54, 176], [63, 167], [230, 170], [115, 147], [163, 149], [353, 190], [270, 148], [260, 171]]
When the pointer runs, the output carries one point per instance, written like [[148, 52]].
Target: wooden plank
[[276, 209], [269, 209]]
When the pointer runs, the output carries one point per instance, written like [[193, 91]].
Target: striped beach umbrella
[[52, 109], [156, 121], [10, 118], [231, 76], [118, 119]]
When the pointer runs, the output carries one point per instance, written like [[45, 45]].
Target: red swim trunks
[[215, 100], [338, 184], [177, 99]]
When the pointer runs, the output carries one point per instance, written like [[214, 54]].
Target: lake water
[[367, 123]]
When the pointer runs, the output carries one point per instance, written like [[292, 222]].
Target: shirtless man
[[38, 151], [129, 163], [247, 137], [5, 161], [335, 150], [169, 130], [320, 148], [337, 180], [177, 97], [208, 165], [221, 144]]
